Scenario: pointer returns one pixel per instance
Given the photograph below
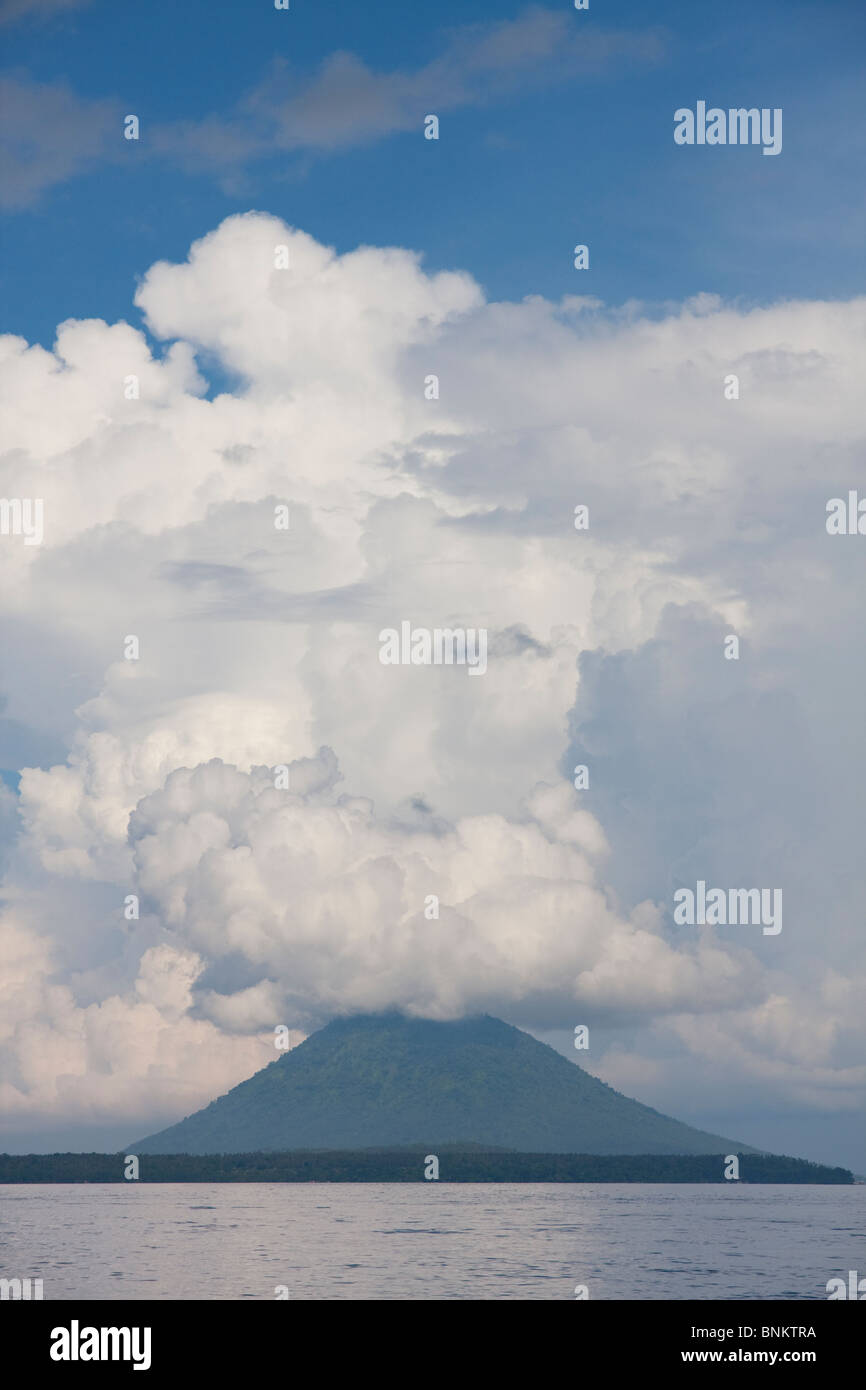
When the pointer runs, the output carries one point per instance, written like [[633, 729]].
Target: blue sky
[[525, 168]]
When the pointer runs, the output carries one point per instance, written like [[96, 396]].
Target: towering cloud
[[306, 831]]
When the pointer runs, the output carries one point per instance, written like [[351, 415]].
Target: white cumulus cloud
[[258, 648]]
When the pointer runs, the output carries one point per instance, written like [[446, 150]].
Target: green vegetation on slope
[[385, 1081]]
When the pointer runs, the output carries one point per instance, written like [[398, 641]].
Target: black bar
[[611, 1337]]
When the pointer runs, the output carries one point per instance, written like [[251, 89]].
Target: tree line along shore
[[411, 1165]]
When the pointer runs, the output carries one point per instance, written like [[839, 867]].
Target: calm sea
[[431, 1241]]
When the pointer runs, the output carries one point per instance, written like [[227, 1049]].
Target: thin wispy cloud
[[11, 11], [346, 103], [50, 133]]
